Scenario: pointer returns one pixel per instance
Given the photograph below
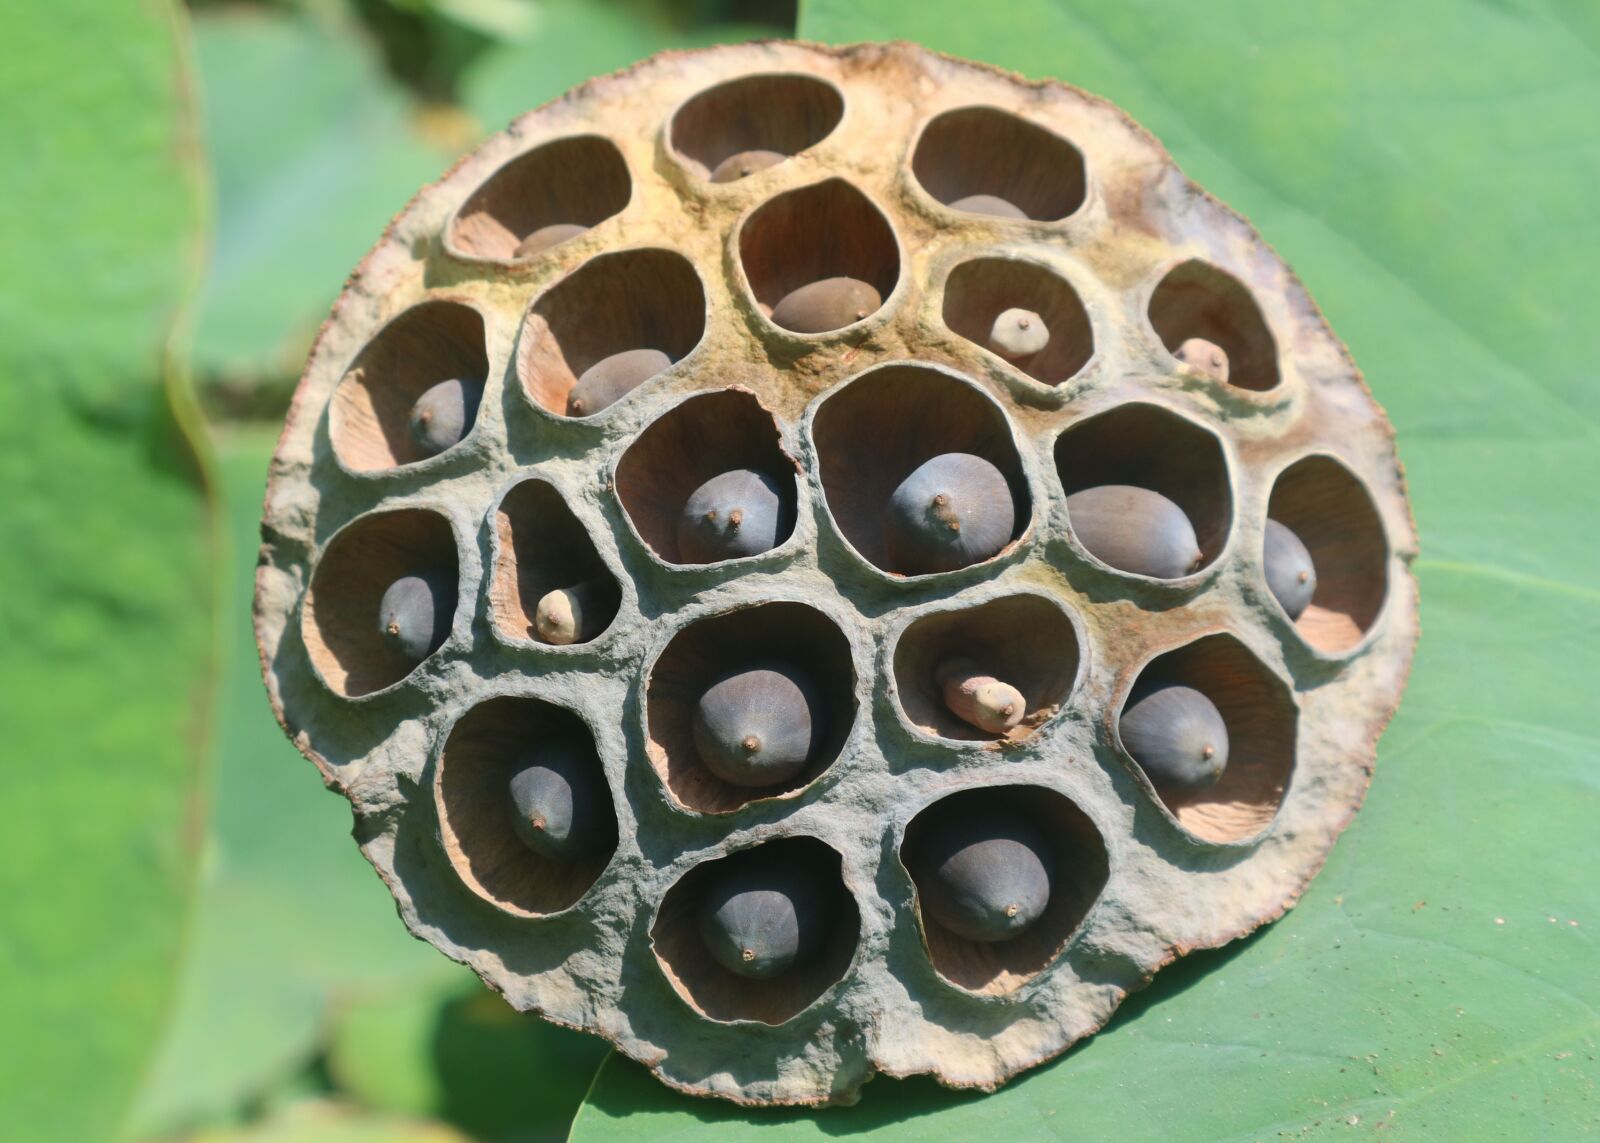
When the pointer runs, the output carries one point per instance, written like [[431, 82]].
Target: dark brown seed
[[986, 878], [1134, 530], [561, 807], [759, 918], [758, 726], [954, 510], [830, 304], [612, 378], [1177, 736], [1291, 575]]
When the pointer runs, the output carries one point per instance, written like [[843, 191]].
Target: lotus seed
[[1291, 575], [744, 164], [830, 304], [612, 378], [414, 615], [442, 416], [546, 237], [561, 808], [567, 615], [758, 726], [1018, 333], [986, 877], [954, 510], [1177, 736], [737, 513], [761, 918], [1204, 357], [1134, 530], [988, 204], [979, 699]]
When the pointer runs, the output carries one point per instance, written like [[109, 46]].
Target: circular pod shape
[[525, 813], [759, 935], [751, 703], [615, 309], [920, 470], [1004, 877], [382, 599]]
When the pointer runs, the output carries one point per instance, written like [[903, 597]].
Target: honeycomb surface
[[1123, 260]]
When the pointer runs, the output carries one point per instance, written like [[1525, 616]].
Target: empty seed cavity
[[981, 160], [549, 584], [1213, 729], [752, 703], [709, 481], [957, 669], [413, 391], [819, 258], [542, 198], [1022, 312], [382, 599], [1210, 322], [609, 327], [746, 125], [1147, 490], [920, 470], [760, 934], [1328, 512], [525, 813], [1004, 877]]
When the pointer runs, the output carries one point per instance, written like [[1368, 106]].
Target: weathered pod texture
[[811, 562]]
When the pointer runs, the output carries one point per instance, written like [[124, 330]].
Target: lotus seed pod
[[953, 510], [1103, 483], [986, 878], [1177, 736], [759, 920], [978, 698], [546, 237], [1018, 333], [830, 304], [1134, 530], [758, 726], [734, 514], [1291, 575], [558, 802], [612, 378], [745, 164], [988, 204], [442, 416], [1204, 357], [414, 615], [568, 615]]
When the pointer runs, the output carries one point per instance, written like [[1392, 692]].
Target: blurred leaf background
[[193, 948]]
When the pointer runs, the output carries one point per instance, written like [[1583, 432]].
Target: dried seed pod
[[979, 698], [953, 510], [546, 237], [758, 726], [558, 802], [1124, 262], [1206, 358], [744, 164], [414, 614], [1291, 575], [570, 615], [1018, 333], [829, 304], [734, 514], [985, 878], [989, 204], [1177, 735], [761, 919], [612, 378], [1134, 530]]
